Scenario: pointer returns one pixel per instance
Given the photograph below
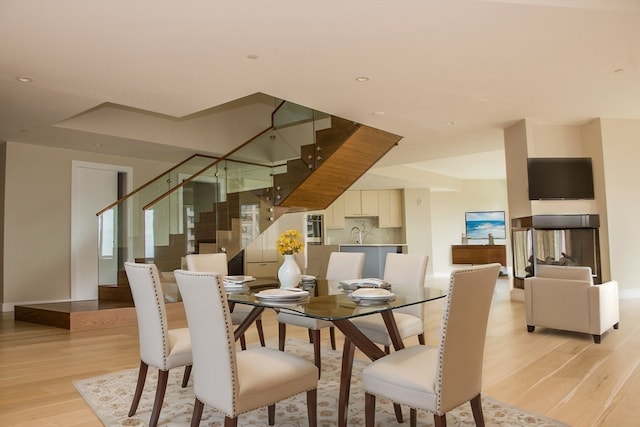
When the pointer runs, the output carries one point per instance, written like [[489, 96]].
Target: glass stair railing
[[223, 204]]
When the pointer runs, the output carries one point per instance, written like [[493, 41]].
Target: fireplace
[[570, 240]]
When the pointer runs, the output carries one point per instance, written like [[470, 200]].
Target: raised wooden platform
[[78, 315]]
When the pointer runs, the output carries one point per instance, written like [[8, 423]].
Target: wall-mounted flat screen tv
[[560, 178], [480, 224]]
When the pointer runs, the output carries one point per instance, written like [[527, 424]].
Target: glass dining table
[[328, 301]]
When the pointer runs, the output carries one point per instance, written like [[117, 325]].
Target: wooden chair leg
[[596, 339], [197, 413], [398, 410], [260, 332], [163, 378], [440, 420], [421, 339], [271, 411], [387, 349], [230, 422], [310, 335], [282, 335], [316, 350], [187, 374], [369, 410], [413, 417], [312, 407], [332, 336], [142, 376], [243, 342], [476, 409]]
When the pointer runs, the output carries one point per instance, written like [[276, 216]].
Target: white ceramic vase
[[289, 273]]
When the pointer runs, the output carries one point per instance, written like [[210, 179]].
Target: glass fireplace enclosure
[[569, 240]]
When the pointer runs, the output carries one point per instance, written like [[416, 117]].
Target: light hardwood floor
[[562, 375]]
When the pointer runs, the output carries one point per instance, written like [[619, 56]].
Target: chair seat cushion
[[305, 322], [266, 375], [374, 328], [407, 376], [179, 348]]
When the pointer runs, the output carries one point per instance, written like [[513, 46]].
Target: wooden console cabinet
[[478, 254]]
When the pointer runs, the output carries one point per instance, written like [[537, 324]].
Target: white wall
[[37, 226], [447, 217], [621, 155]]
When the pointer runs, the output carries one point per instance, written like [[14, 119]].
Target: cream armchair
[[565, 298]]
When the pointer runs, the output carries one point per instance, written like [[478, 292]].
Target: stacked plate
[[236, 282], [371, 296], [283, 295], [307, 280], [352, 285]]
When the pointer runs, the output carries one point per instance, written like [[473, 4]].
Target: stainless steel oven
[[314, 234]]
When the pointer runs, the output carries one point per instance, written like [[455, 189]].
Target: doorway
[[94, 186]]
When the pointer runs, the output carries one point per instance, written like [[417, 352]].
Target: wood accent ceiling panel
[[337, 173]]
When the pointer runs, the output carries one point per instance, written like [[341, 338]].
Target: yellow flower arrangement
[[290, 242]]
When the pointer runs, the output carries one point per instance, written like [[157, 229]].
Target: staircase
[[304, 161]]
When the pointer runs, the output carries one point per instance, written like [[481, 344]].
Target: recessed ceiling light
[[252, 56], [362, 79], [24, 79], [619, 70], [450, 123], [379, 113]]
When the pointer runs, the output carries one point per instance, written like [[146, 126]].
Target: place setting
[[371, 296], [282, 296], [236, 283]]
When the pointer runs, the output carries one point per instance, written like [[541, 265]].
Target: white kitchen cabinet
[[369, 200], [334, 214], [390, 209], [361, 203], [261, 256]]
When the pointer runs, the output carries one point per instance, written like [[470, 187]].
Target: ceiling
[[446, 75]]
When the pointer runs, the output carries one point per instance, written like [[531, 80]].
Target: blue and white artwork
[[480, 224]]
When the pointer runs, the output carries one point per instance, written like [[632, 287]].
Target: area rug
[[109, 396]]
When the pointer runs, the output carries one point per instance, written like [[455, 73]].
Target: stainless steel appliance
[[314, 234]]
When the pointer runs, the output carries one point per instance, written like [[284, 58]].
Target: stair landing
[[78, 315]]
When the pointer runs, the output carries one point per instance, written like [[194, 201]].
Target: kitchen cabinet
[[261, 257], [390, 209], [334, 214], [361, 203]]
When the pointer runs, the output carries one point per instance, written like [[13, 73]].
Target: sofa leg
[[530, 328], [596, 339], [616, 326]]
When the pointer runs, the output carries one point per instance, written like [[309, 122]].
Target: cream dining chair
[[236, 382], [406, 274], [342, 266], [217, 263], [439, 379], [160, 347]]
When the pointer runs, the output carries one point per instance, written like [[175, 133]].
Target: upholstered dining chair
[[342, 266], [160, 347], [439, 379], [236, 382], [217, 263], [406, 274]]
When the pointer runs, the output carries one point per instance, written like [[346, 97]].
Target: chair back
[[345, 265], [406, 274], [463, 335], [213, 263], [215, 372], [565, 272], [148, 298]]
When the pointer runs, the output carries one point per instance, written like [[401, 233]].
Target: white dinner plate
[[238, 279], [282, 295], [372, 295]]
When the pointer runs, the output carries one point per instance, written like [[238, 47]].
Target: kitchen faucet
[[359, 240]]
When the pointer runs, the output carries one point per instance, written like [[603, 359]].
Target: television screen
[[480, 224], [560, 178]]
